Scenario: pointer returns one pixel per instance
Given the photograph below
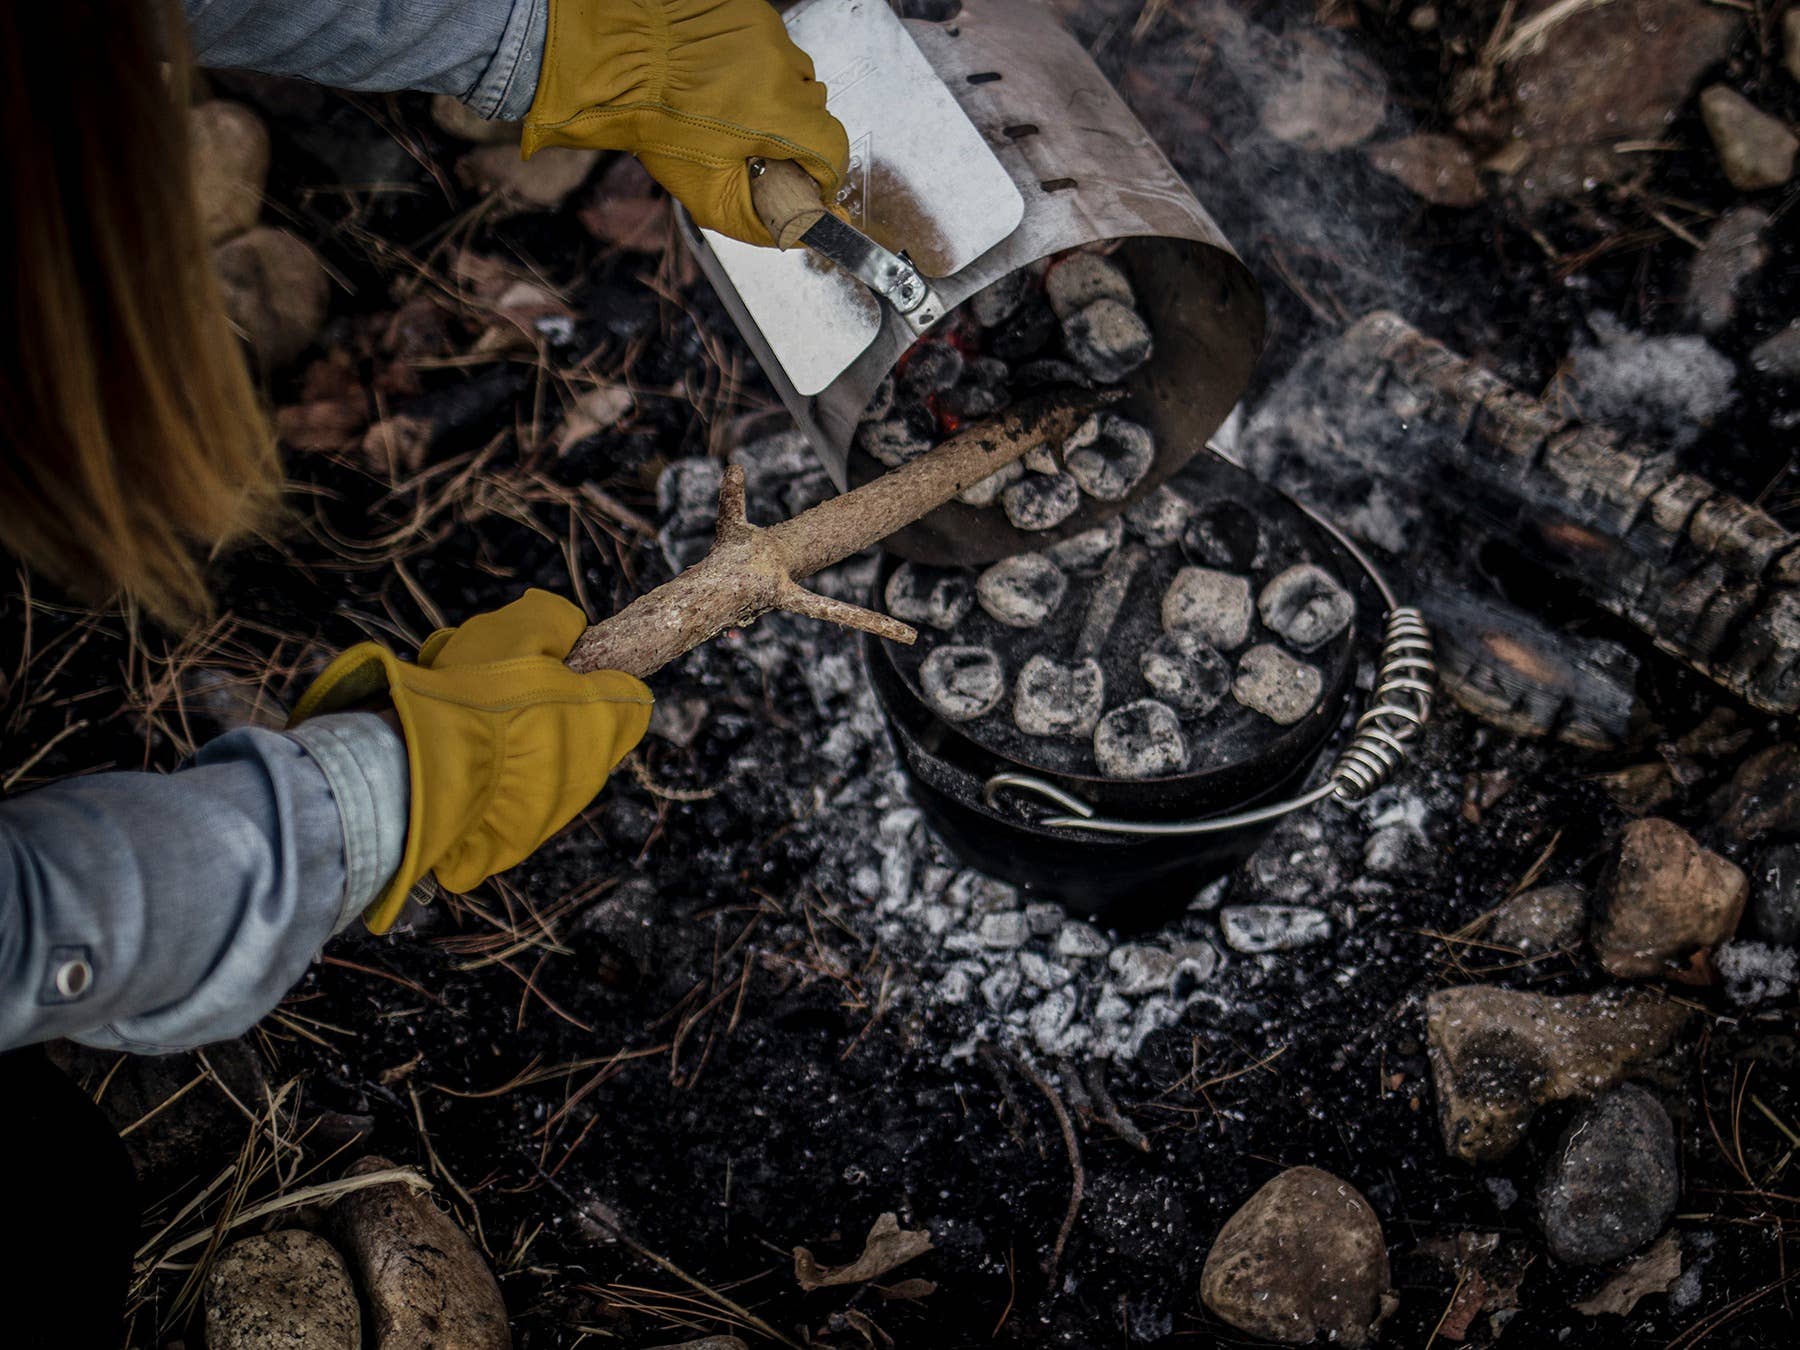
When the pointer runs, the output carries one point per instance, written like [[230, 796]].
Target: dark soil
[[713, 1059]]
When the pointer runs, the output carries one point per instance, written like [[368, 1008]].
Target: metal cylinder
[[1090, 174]]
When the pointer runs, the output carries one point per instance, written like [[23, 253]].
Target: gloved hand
[[694, 89], [505, 743]]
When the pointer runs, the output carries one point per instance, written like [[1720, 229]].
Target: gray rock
[[1756, 151], [1161, 517], [957, 986], [1051, 698], [1042, 974], [1000, 988], [1108, 456], [1306, 606], [1497, 1055], [1049, 1021], [1778, 357], [1076, 940], [962, 683], [1021, 591], [1211, 604], [1303, 1260], [1663, 900], [1142, 969], [1076, 281], [1733, 251], [1544, 919], [973, 892], [1140, 740], [1612, 1181], [1040, 501], [279, 1291], [1254, 929], [1278, 686], [1186, 672], [938, 596]]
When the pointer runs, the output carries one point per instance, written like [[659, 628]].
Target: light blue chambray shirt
[[154, 912]]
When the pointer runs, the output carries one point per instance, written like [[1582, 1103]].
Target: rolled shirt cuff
[[507, 87], [364, 763]]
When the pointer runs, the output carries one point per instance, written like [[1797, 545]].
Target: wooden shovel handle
[[786, 198]]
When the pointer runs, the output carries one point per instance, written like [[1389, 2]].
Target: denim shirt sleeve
[[484, 52], [155, 912]]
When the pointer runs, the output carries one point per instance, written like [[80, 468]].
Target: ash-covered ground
[[748, 1002]]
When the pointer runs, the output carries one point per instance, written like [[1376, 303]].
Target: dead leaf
[[887, 1246], [601, 407], [1652, 1272], [906, 1289]]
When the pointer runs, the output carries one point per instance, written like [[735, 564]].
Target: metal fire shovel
[[924, 197]]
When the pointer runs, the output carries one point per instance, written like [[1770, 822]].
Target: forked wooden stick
[[753, 569]]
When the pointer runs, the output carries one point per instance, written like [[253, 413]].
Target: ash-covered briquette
[[1140, 740], [986, 491], [1186, 672], [1041, 501], [962, 683], [1213, 604], [995, 303], [1108, 456], [1054, 698], [1225, 535], [1280, 687], [1075, 281], [1160, 517], [938, 596], [983, 391], [930, 367], [1108, 340], [897, 440], [1021, 591], [1087, 552], [1306, 606]]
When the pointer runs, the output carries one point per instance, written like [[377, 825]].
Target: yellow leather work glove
[[505, 743], [694, 89]]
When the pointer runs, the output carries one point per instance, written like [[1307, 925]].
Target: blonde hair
[[134, 439]]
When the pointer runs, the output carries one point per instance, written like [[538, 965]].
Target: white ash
[[1107, 600], [940, 597], [687, 495], [995, 303], [1041, 501], [1214, 605], [1021, 591], [1108, 340], [1041, 458], [1042, 973], [1161, 517], [1108, 456], [1076, 941], [985, 492], [1075, 282], [1277, 685], [1757, 972], [1140, 740], [1004, 931], [1398, 850], [893, 441], [962, 683], [1052, 698], [931, 366], [1000, 988], [1225, 535], [1256, 929], [1306, 606], [1666, 389], [1142, 969], [1088, 551], [1051, 1026], [1185, 671]]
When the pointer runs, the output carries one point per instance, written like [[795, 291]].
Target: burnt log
[[1405, 443]]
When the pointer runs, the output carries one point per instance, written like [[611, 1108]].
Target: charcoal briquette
[[1021, 591], [1306, 606], [931, 366], [962, 683], [1140, 740], [972, 402], [986, 491], [1108, 456], [881, 402], [1041, 501], [1159, 518], [938, 596], [1186, 672], [895, 440], [1223, 534], [1052, 698], [1027, 333], [1088, 551], [1108, 340], [994, 303], [1076, 281], [1047, 373], [1215, 605], [1280, 687]]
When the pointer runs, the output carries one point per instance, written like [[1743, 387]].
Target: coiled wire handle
[[1380, 743]]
